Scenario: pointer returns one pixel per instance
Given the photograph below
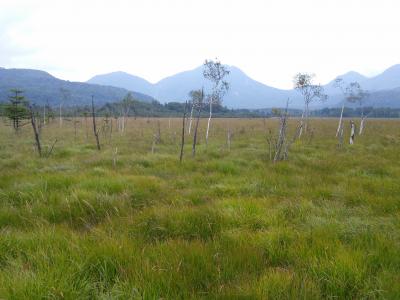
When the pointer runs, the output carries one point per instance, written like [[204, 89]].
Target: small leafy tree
[[303, 82], [216, 73], [355, 94], [17, 109]]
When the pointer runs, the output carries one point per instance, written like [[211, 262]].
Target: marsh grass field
[[223, 225]]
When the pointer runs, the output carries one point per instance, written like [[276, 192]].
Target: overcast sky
[[268, 40]]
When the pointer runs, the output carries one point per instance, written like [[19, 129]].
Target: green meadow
[[127, 222]]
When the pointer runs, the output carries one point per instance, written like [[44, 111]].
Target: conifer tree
[[17, 109]]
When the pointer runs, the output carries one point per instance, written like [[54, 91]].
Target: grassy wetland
[[131, 222]]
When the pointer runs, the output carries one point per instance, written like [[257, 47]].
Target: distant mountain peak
[[123, 80], [352, 76], [392, 69], [116, 73], [388, 79], [31, 73]]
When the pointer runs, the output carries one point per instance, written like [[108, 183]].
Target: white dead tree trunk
[[341, 85], [305, 124], [362, 122], [125, 107], [340, 121], [191, 119], [352, 132], [209, 121], [361, 126], [301, 125]]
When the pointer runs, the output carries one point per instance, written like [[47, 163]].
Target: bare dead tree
[[35, 131], [280, 147], [340, 84], [280, 144], [96, 133], [125, 109], [215, 72], [299, 130], [197, 100], [191, 117], [183, 132], [303, 82], [352, 132]]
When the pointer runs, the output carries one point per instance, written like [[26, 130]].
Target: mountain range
[[246, 92], [41, 87]]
